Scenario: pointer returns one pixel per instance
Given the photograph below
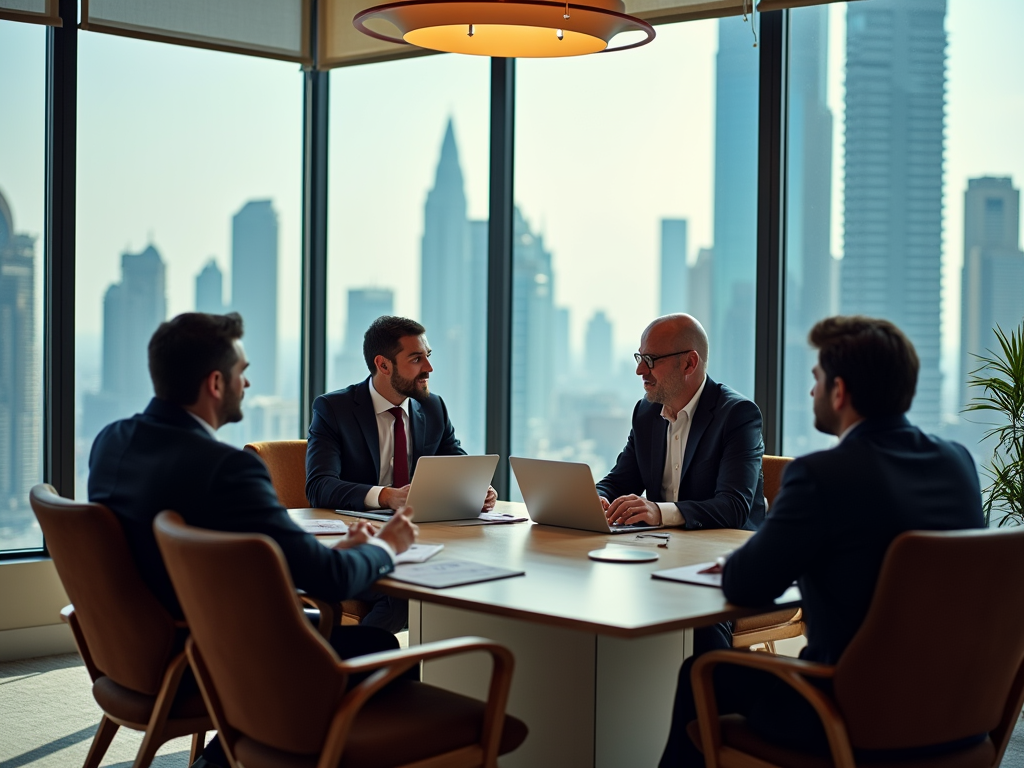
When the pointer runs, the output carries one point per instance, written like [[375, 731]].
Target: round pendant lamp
[[506, 28]]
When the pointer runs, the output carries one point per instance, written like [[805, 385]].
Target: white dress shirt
[[386, 440], [205, 424], [677, 435]]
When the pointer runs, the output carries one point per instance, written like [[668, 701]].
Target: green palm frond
[[1000, 379]]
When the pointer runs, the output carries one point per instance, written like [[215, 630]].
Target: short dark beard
[[231, 408], [408, 388]]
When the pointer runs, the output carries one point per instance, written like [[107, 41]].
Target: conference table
[[597, 645]]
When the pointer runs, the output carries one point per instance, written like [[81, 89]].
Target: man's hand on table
[[400, 531], [490, 499], [359, 532], [393, 498], [631, 510]]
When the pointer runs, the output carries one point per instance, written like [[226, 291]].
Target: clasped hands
[[631, 510]]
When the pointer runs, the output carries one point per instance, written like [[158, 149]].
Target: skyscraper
[[598, 353], [673, 267], [254, 289], [364, 306], [895, 120], [20, 390], [809, 262], [210, 289], [731, 326], [992, 288], [451, 302], [699, 280], [533, 315], [132, 311]]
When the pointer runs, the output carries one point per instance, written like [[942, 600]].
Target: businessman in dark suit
[[695, 446], [365, 440], [835, 516], [168, 457]]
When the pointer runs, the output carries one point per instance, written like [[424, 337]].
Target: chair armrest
[[330, 613], [68, 616], [791, 671], [392, 664]]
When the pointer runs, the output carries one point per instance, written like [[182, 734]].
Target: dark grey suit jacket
[[164, 459], [343, 452], [721, 484]]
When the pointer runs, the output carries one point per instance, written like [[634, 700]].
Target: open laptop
[[444, 488], [562, 493]]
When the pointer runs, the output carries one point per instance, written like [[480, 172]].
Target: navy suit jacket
[[343, 452], [721, 484], [835, 516], [164, 459]]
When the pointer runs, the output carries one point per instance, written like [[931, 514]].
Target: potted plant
[[1000, 379]]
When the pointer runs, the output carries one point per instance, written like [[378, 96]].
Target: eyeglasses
[[650, 360]]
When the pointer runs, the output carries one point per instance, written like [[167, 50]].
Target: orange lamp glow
[[506, 28]]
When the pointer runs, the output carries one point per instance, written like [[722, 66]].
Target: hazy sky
[[173, 141]]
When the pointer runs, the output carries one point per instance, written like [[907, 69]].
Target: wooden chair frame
[[794, 673], [389, 666], [160, 728]]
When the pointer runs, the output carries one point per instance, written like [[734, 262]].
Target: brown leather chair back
[[286, 461], [130, 635], [772, 468], [897, 684], [276, 679]]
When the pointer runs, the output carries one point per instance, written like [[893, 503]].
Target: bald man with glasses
[[695, 445]]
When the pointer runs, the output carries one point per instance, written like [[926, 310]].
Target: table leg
[[588, 700]]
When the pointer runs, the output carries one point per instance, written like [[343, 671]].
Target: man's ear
[[213, 385], [383, 364], [840, 397]]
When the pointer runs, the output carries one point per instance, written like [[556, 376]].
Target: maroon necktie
[[400, 478]]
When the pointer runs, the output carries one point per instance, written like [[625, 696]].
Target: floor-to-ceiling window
[[904, 177], [635, 190], [407, 220], [189, 196], [22, 177]]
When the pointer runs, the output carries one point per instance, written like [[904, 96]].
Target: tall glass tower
[[895, 121]]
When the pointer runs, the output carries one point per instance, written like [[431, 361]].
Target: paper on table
[[418, 553], [691, 574], [321, 527], [490, 518], [449, 573]]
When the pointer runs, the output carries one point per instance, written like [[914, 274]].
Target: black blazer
[[721, 484], [164, 459], [343, 452], [835, 516]]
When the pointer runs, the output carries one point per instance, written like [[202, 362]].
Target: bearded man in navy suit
[[351, 457]]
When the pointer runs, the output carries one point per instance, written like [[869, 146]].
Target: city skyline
[[117, 214]]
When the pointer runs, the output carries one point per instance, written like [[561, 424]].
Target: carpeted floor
[[48, 718]]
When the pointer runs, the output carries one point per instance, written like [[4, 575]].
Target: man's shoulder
[[723, 397], [343, 399]]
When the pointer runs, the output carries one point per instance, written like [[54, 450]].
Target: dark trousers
[[348, 642], [774, 710], [388, 613]]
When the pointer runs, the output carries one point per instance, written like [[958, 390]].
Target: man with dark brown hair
[[168, 457], [365, 440], [833, 520]]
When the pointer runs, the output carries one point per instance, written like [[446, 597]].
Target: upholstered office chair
[[278, 692], [286, 462], [133, 649], [765, 629], [890, 690]]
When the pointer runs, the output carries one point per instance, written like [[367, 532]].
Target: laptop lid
[[450, 487], [563, 493]]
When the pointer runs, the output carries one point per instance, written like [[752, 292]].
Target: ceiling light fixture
[[506, 28]]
